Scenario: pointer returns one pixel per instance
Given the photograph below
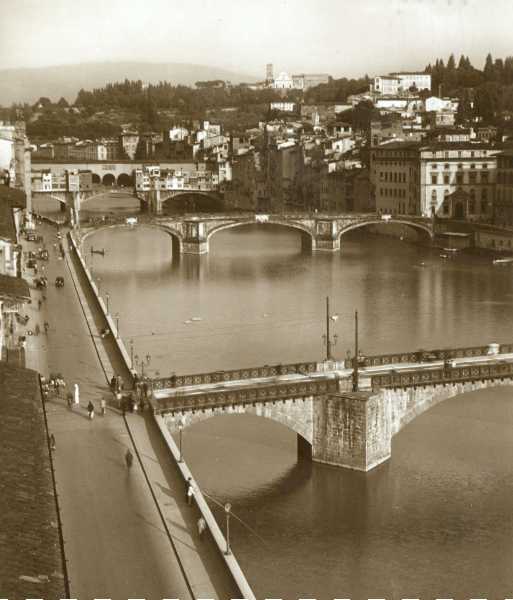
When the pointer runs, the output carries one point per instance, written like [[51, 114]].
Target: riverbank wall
[[213, 528]]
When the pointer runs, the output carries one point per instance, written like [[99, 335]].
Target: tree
[[488, 70], [63, 103]]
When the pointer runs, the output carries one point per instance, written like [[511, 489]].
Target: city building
[[503, 205], [394, 83], [283, 82], [304, 81]]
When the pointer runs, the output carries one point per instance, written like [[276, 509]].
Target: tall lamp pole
[[227, 509], [355, 364], [329, 342]]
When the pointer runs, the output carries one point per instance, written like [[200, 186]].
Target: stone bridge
[[192, 234], [334, 424]]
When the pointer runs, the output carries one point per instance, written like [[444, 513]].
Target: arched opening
[[274, 238], [397, 228], [193, 203], [109, 179], [96, 178], [125, 180]]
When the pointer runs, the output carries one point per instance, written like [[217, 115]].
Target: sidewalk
[[115, 540]]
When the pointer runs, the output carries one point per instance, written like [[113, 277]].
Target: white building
[[401, 82], [283, 82], [283, 106], [433, 103]]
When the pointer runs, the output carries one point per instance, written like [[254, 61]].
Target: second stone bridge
[[192, 234], [334, 424]]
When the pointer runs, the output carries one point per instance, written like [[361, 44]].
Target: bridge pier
[[326, 237], [352, 430], [195, 240]]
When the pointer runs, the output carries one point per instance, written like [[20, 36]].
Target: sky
[[339, 37]]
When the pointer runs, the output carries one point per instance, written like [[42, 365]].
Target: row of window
[[460, 178], [471, 207], [393, 193], [447, 166], [393, 177]]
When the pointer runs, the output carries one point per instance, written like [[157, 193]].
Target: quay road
[[116, 544], [345, 373]]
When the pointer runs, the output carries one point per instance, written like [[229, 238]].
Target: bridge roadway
[[197, 396]]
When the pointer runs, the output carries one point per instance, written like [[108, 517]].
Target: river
[[436, 520]]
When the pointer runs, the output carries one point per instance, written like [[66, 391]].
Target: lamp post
[[117, 324], [227, 509], [181, 425], [107, 298], [355, 364], [132, 354], [327, 337]]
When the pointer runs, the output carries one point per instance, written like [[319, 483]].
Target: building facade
[[503, 206]]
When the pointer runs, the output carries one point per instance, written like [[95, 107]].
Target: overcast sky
[[340, 37]]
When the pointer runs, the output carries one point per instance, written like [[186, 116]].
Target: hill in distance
[[28, 85]]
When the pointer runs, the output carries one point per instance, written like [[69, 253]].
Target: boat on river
[[503, 261]]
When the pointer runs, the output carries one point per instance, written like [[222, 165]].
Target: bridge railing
[[261, 394], [425, 355], [234, 375], [442, 375]]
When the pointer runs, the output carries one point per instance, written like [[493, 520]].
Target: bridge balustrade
[[260, 394], [416, 356], [234, 375], [442, 375]]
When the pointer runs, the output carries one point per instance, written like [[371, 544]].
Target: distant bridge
[[340, 427], [192, 234]]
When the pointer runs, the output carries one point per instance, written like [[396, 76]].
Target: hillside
[[27, 85]]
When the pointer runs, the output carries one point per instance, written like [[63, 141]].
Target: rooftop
[[14, 288], [30, 547]]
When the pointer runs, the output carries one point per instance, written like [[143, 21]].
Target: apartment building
[[503, 205], [395, 177]]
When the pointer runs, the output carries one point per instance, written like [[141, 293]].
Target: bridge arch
[[125, 180], [175, 235], [187, 200], [306, 234], [109, 179], [96, 178], [424, 228], [295, 414], [409, 403]]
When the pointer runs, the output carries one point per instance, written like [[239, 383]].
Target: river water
[[436, 521]]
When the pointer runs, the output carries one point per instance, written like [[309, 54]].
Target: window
[[472, 154], [433, 197], [434, 166], [484, 206], [447, 166], [484, 177], [472, 166], [472, 177], [472, 206], [459, 178], [446, 179], [446, 207], [434, 179], [484, 194]]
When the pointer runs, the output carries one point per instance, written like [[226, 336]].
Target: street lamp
[[227, 509], [117, 324], [107, 297], [140, 362], [356, 353], [328, 340], [181, 425], [132, 354]]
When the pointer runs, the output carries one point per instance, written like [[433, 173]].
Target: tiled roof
[[31, 565], [7, 227], [14, 288], [16, 198]]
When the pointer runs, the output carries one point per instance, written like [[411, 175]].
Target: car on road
[[59, 282]]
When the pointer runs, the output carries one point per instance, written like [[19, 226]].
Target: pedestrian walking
[[39, 304], [76, 394], [90, 410], [129, 458], [113, 383], [202, 525], [190, 491], [46, 326], [103, 406], [69, 399], [37, 330], [52, 442]]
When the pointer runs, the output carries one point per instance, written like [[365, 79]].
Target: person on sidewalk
[[103, 406], [129, 458], [76, 394], [90, 410], [202, 525], [52, 442], [190, 491]]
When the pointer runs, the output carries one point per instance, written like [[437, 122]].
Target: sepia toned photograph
[[256, 300]]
